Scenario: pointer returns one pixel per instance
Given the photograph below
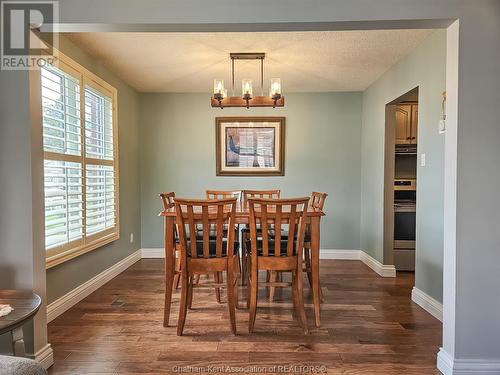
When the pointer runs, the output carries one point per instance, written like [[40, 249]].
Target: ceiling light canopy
[[247, 98]]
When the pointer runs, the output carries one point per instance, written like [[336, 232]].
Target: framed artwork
[[250, 146]]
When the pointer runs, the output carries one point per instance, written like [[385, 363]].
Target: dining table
[[242, 216]]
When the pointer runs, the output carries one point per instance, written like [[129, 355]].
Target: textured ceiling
[[305, 61]]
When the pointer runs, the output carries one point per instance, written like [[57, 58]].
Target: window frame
[[70, 250]]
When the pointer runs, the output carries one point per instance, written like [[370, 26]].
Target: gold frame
[[73, 249], [281, 142]]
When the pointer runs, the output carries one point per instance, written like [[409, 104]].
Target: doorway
[[400, 196]]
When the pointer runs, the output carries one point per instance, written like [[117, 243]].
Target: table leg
[[169, 266], [18, 342], [315, 239]]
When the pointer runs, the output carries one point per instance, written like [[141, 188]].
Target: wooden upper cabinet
[[406, 123], [403, 124], [414, 123]]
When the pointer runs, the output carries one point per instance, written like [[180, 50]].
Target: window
[[80, 161]]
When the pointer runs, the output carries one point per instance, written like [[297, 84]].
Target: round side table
[[25, 305]]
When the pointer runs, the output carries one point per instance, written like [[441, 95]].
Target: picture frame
[[250, 146]]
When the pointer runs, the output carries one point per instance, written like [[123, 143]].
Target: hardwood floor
[[369, 326]]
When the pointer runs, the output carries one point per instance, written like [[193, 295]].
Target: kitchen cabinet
[[414, 123], [406, 124]]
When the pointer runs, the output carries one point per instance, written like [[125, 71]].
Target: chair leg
[[294, 295], [197, 279], [244, 265], [307, 256], [190, 292], [217, 289], [230, 297], [249, 269], [169, 285], [253, 284], [268, 279], [298, 290], [272, 289], [184, 303], [321, 296], [177, 279], [236, 282], [177, 271], [249, 266]]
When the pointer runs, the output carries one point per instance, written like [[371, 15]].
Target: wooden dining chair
[[245, 232], [272, 253], [222, 194], [168, 203], [316, 202], [264, 194], [206, 255]]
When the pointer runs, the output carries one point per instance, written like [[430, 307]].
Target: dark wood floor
[[369, 326]]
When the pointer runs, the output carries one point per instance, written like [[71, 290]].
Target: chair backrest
[[273, 214], [223, 194], [198, 219], [263, 194], [168, 203], [167, 200], [318, 200]]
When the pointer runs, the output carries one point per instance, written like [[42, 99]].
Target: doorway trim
[[390, 175], [449, 264]]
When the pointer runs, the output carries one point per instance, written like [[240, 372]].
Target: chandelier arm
[[232, 73], [262, 77]]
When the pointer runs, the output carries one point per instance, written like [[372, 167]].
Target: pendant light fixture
[[247, 98]]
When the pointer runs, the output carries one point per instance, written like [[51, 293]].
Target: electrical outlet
[[131, 237], [422, 160]]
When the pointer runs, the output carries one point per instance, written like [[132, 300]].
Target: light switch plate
[[131, 237], [422, 160], [442, 126]]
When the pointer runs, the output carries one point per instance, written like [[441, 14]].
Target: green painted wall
[[425, 67], [67, 276], [471, 328], [334, 143], [323, 133], [19, 237]]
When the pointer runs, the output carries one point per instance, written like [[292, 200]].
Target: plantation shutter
[[80, 161]]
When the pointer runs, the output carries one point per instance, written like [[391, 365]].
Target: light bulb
[[218, 86], [246, 87], [275, 86]]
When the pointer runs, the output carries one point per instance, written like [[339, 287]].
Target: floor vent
[[118, 302]]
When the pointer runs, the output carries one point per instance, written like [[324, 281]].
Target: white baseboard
[[153, 253], [45, 356], [159, 253], [382, 269], [70, 299], [339, 254], [452, 366], [445, 362], [428, 303]]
